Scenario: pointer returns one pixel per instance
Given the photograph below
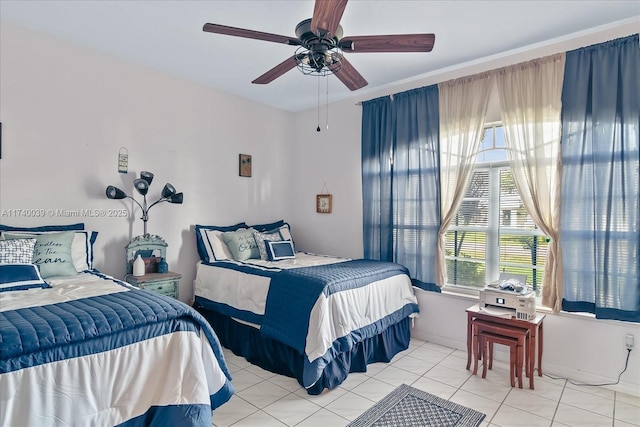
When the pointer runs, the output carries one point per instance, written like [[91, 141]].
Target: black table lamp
[[141, 185]]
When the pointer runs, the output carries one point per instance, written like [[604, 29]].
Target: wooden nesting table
[[534, 327]]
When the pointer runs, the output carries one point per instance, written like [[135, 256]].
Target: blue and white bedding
[[318, 305], [94, 351]]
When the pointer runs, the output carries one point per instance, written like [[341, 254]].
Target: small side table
[[535, 336], [162, 283]]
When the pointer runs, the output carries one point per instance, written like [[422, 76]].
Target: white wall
[[575, 346], [330, 157], [65, 113]]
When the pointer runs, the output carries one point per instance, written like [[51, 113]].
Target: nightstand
[[162, 283]]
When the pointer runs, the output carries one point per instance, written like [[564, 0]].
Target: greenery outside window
[[492, 232]]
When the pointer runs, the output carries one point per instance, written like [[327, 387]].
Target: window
[[492, 232]]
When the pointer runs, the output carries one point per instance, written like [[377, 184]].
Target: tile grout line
[[423, 376]]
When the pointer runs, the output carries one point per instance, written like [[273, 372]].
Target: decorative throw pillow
[[261, 238], [19, 277], [284, 227], [52, 253], [81, 246], [242, 244], [17, 251], [280, 250]]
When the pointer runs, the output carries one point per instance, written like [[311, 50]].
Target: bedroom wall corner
[[328, 159]]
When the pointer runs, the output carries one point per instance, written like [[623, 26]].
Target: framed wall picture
[[245, 164], [324, 203]]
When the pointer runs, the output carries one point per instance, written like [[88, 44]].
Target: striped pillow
[[20, 277]]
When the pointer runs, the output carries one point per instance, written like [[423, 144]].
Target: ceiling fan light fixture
[[319, 63]]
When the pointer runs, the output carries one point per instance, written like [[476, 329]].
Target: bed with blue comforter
[[90, 350], [315, 318]]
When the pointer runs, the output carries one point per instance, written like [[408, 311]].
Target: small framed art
[[324, 203], [245, 164]]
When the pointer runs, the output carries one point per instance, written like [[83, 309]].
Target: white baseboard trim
[[556, 371]]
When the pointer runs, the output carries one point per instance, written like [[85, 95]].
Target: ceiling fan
[[320, 45]]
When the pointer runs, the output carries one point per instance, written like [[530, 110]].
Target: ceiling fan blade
[[250, 34], [348, 75], [389, 43], [326, 17], [276, 71]]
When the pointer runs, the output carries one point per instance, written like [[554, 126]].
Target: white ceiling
[[167, 35]]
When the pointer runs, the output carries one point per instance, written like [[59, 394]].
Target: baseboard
[[439, 339], [556, 371], [582, 377]]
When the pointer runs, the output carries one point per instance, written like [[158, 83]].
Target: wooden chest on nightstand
[[162, 283]]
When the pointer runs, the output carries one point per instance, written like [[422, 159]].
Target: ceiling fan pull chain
[[327, 101], [318, 128]]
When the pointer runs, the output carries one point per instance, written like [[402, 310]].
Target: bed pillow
[[217, 249], [266, 227], [52, 253], [19, 277], [211, 247], [82, 249], [262, 238], [81, 246], [242, 244], [44, 228], [285, 231], [17, 251], [280, 250]]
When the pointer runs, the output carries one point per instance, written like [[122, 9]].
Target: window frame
[[494, 228]]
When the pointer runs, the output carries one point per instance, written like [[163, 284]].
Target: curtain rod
[[390, 96], [484, 74]]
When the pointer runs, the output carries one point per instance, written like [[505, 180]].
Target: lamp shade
[[115, 193], [168, 191], [141, 185], [176, 198], [147, 176]]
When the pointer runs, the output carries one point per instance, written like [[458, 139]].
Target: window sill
[[472, 297]]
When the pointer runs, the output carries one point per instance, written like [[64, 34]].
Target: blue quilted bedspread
[[293, 293], [37, 335]]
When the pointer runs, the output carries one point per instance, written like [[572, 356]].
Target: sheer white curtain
[[530, 97], [463, 106]]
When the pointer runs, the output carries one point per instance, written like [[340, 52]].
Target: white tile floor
[[265, 399]]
